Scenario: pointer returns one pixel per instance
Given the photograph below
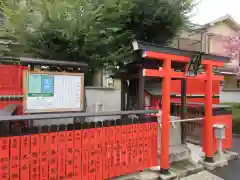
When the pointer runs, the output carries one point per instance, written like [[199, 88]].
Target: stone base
[[214, 165], [226, 157], [177, 170], [232, 155], [178, 153], [170, 176], [154, 174], [186, 168]]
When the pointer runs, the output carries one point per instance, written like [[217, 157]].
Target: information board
[[53, 92]]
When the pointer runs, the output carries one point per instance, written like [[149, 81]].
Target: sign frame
[[53, 110]]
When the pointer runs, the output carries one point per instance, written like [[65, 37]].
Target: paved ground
[[232, 171], [204, 175], [236, 143]]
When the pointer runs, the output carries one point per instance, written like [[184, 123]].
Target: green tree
[[95, 31]]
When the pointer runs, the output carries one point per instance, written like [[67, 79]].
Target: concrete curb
[[232, 155], [186, 168], [236, 135]]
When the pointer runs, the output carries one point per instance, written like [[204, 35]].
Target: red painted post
[[165, 130], [207, 127]]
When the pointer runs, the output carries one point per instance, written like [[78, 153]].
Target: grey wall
[[175, 134], [109, 98]]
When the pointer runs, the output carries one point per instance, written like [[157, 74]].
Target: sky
[[208, 10]]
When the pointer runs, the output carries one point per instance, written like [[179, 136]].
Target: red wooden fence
[[11, 84], [194, 87], [84, 151]]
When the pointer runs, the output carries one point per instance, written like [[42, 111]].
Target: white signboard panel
[[53, 92]]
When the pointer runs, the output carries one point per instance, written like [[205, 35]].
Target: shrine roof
[[43, 62], [144, 46], [136, 59]]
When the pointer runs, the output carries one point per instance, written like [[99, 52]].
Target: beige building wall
[[212, 43]]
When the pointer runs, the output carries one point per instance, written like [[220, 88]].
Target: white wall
[[230, 96]]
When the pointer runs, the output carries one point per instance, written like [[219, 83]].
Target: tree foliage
[[95, 31]]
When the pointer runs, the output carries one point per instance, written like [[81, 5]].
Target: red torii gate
[[169, 56]]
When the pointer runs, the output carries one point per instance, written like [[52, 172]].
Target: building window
[[221, 83], [238, 83]]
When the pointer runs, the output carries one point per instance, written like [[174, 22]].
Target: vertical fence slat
[[53, 145], [99, 151], [155, 142], [105, 149], [129, 147], [118, 148], [134, 145], [140, 147], [61, 152], [25, 156], [35, 156], [4, 158], [14, 157], [85, 148], [44, 154], [145, 145], [111, 138], [92, 152], [150, 141], [69, 152], [77, 151], [124, 149]]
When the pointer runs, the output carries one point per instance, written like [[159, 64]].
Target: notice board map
[[40, 85], [53, 92]]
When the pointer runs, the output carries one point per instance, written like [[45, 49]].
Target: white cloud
[[208, 10]]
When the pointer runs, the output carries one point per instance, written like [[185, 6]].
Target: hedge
[[236, 116]]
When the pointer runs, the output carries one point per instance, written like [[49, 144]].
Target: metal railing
[[187, 120], [8, 110], [73, 115]]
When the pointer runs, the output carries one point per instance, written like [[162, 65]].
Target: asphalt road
[[232, 171]]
